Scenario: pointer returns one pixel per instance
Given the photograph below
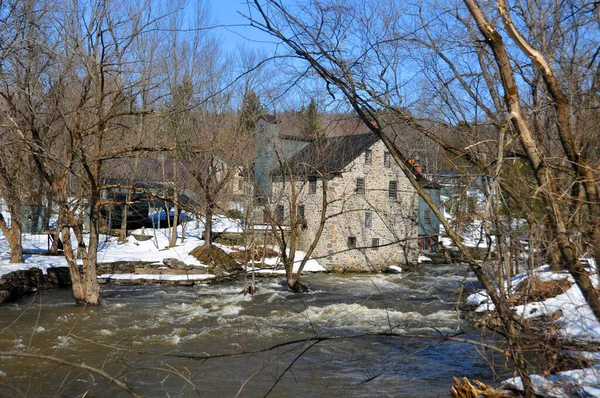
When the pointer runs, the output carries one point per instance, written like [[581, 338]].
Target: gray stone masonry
[[390, 222]]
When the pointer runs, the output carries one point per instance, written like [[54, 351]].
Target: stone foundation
[[18, 283]]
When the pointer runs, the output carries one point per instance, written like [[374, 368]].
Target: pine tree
[[251, 111], [310, 124]]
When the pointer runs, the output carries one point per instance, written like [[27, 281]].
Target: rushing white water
[[153, 333]]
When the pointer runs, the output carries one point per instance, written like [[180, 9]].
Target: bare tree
[[12, 169], [72, 112], [26, 106], [365, 55]]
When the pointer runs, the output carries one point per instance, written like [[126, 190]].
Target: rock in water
[[216, 258], [174, 263]]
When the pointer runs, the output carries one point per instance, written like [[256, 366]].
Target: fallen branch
[[441, 337], [92, 369]]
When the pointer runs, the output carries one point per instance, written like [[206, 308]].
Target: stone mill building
[[371, 213]]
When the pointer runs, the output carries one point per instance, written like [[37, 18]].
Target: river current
[[212, 341]]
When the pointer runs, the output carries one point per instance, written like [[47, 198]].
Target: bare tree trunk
[[13, 237], [173, 237], [293, 280], [208, 225], [123, 230], [86, 289], [90, 275], [323, 220], [76, 282], [60, 189]]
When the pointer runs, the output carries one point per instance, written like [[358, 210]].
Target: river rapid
[[157, 339]]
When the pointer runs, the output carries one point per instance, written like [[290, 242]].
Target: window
[[427, 215], [368, 156], [387, 162], [300, 212], [368, 219], [312, 184], [393, 189], [360, 186], [375, 243], [351, 242], [279, 213]]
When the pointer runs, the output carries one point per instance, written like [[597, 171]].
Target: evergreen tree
[[251, 111], [310, 123]]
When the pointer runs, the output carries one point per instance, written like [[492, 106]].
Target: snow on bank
[[156, 277], [572, 383], [35, 261], [424, 259], [576, 323], [395, 269], [275, 262], [153, 250]]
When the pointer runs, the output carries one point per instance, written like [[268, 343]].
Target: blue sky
[[233, 32]]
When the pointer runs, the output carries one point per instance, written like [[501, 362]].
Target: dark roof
[[425, 183], [268, 118], [329, 155]]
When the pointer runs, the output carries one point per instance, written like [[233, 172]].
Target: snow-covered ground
[[152, 250], [576, 323]]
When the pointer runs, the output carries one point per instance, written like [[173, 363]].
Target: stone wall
[[18, 283], [393, 220]]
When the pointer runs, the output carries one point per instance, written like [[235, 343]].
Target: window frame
[[280, 213], [375, 243], [368, 156], [301, 212], [368, 219], [387, 159], [312, 185], [427, 215], [394, 190], [360, 186], [351, 242]]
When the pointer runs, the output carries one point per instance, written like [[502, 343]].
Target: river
[[156, 337]]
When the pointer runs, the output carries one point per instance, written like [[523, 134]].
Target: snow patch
[[395, 268]]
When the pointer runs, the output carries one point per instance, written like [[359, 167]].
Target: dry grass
[[216, 257], [534, 290], [256, 254]]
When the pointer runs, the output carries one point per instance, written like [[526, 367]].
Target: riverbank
[[559, 326], [146, 258], [17, 280]]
